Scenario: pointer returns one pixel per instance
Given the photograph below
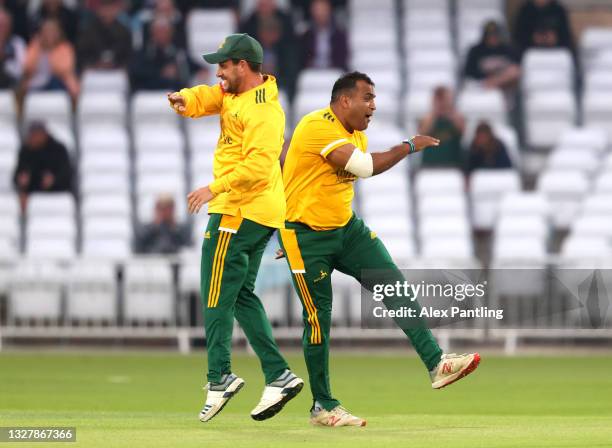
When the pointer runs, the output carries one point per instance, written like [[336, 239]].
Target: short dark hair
[[254, 66], [348, 82]]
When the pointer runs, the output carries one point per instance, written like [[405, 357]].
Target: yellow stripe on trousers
[[315, 334], [217, 269]]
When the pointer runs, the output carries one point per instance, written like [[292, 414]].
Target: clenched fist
[[177, 102]]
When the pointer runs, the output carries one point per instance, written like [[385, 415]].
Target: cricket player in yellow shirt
[[246, 205], [326, 156]]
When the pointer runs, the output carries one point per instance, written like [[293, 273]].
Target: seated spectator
[[103, 41], [324, 44], [538, 14], [274, 30], [163, 235], [487, 151], [55, 9], [161, 9], [12, 53], [160, 65], [49, 62], [43, 164], [492, 61], [445, 123]]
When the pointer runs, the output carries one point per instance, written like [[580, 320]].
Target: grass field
[[152, 400]]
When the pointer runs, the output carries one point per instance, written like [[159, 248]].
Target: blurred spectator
[[492, 61], [487, 151], [304, 10], [55, 9], [12, 53], [274, 30], [165, 9], [103, 41], [446, 123], [537, 15], [17, 9], [324, 44], [160, 65], [43, 164], [49, 63], [163, 235]]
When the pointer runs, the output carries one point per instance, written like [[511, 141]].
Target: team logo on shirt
[[344, 176]]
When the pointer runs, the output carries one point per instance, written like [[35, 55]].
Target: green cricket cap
[[237, 46]]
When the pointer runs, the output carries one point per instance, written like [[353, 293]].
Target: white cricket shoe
[[276, 395], [453, 367], [338, 416], [219, 394]]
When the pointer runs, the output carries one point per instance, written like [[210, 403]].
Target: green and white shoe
[[276, 395], [219, 394], [452, 368]]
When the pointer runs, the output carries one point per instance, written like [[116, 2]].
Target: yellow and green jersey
[[317, 193], [247, 175]]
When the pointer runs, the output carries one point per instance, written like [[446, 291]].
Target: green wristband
[[412, 147]]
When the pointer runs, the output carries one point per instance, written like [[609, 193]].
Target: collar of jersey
[[268, 82], [338, 123]]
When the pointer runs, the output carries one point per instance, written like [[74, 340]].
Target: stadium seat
[[479, 104], [487, 188], [427, 80], [317, 80], [417, 6], [104, 183], [152, 108], [160, 162], [548, 114], [105, 81], [51, 248], [53, 226], [8, 112], [586, 248], [450, 249], [565, 190], [444, 226], [103, 139], [593, 226], [306, 102], [565, 159], [53, 108], [597, 110], [46, 205], [525, 204], [516, 226], [99, 163], [107, 227], [442, 206], [35, 291], [106, 205], [115, 249], [8, 159], [593, 41], [148, 292], [102, 107], [546, 69], [91, 291], [584, 137], [598, 80], [163, 138], [519, 251], [598, 204], [206, 29], [436, 182]]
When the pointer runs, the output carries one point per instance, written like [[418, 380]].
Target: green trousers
[[312, 256], [231, 255]]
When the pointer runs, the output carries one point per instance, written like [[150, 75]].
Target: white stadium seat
[[102, 107], [53, 108], [487, 188], [148, 291], [92, 291], [106, 81], [565, 191], [35, 291]]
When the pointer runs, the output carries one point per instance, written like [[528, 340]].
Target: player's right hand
[[424, 141], [177, 101]]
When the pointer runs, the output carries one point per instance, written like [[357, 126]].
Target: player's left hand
[[197, 198], [279, 254]]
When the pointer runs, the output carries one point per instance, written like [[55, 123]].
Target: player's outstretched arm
[[361, 164]]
